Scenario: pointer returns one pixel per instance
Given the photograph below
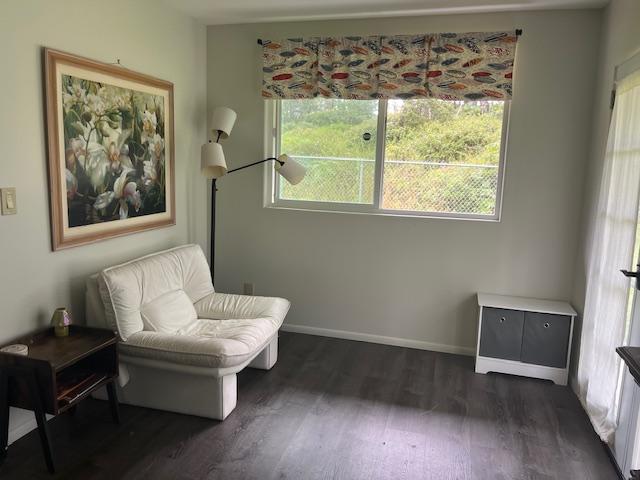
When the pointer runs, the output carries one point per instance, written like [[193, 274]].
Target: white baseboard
[[367, 337]]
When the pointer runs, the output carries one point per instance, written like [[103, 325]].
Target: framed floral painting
[[111, 150]]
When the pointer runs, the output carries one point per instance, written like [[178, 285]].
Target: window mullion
[[276, 131], [380, 147]]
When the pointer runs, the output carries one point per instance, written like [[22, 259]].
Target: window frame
[[272, 122]]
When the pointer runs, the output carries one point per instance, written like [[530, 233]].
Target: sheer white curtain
[[612, 235]]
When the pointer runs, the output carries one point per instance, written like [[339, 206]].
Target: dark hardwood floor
[[338, 409]]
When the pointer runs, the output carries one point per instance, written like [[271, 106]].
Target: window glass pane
[[442, 156], [336, 141]]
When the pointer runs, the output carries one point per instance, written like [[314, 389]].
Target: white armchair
[[182, 343]]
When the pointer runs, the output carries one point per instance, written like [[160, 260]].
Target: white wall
[[415, 278], [148, 37]]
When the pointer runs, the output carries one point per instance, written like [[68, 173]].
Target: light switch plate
[[8, 201]]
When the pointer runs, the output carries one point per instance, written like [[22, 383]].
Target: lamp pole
[[214, 189]]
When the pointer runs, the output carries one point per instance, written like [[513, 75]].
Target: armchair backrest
[[126, 288]]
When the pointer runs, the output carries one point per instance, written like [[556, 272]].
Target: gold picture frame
[[110, 150]]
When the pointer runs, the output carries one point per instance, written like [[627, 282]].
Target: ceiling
[[216, 12]]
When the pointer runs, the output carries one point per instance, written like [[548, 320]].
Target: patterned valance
[[448, 66]]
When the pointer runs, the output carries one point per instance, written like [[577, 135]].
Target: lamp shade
[[292, 171], [222, 120], [212, 163]]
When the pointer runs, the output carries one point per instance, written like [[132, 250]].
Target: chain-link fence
[[408, 185]]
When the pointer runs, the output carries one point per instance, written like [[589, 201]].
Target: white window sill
[[367, 210]]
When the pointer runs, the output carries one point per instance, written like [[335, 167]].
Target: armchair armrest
[[224, 306]]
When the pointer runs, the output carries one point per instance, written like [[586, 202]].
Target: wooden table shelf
[[55, 375]]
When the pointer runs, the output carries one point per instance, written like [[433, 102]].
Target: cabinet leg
[[113, 401], [4, 415], [41, 419]]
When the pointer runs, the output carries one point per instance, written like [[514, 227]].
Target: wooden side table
[[55, 376]]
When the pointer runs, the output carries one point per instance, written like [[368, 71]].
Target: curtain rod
[[518, 33]]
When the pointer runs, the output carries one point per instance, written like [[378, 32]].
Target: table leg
[[4, 414], [41, 419], [113, 401]]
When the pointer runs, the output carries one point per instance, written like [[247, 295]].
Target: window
[[406, 157]]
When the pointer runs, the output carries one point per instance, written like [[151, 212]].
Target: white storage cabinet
[[524, 336]]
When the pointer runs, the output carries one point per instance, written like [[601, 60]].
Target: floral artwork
[[110, 149], [114, 152]]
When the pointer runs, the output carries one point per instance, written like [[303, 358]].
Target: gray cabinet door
[[545, 339], [501, 334]]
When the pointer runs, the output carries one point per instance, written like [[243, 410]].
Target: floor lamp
[[214, 166]]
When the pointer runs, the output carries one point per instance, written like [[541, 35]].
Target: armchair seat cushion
[[215, 342], [205, 343]]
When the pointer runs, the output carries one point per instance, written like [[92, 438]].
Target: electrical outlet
[[8, 201], [248, 288]]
